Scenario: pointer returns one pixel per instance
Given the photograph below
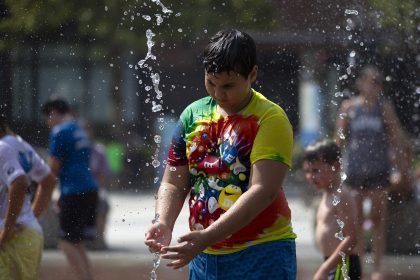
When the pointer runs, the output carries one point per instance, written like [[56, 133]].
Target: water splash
[[344, 266], [147, 65], [156, 80], [150, 44], [164, 9], [351, 12], [158, 139], [336, 200], [341, 133], [156, 255], [339, 235]]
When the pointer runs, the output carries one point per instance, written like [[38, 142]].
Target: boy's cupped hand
[[190, 245], [158, 236]]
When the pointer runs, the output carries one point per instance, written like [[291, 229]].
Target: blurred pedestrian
[[231, 152], [70, 150], [336, 218], [21, 240], [101, 171], [366, 128]]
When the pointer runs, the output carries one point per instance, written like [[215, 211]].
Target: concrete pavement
[[128, 258]]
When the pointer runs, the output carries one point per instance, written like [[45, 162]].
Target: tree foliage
[[124, 22], [400, 17]]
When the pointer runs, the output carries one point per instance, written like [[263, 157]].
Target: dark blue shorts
[[78, 217], [274, 260]]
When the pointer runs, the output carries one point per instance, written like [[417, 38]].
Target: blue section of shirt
[[70, 144]]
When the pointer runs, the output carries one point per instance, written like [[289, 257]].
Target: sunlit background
[[129, 67]]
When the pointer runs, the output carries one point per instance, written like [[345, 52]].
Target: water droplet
[[369, 259], [339, 235], [341, 134], [155, 163], [351, 12], [157, 139], [336, 200], [172, 168], [156, 107], [340, 223]]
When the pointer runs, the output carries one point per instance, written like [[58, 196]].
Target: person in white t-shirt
[[21, 240]]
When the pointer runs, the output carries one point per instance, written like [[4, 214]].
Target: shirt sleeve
[[39, 168], [274, 140], [10, 168], [177, 154]]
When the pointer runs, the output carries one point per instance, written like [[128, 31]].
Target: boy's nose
[[219, 93]]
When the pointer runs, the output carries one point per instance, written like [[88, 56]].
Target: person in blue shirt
[[69, 149]]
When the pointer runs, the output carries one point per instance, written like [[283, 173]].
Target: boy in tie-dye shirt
[[230, 152]]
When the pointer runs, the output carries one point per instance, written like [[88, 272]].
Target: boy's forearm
[[17, 194], [43, 194], [169, 203]]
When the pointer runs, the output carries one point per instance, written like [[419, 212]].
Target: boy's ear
[[253, 74], [337, 165]]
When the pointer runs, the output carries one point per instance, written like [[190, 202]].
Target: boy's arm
[[265, 183], [55, 165], [43, 194], [17, 192], [170, 199], [346, 212], [172, 193]]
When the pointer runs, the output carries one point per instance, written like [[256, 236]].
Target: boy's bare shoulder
[[347, 200]]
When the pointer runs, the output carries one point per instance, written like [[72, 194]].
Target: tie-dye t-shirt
[[220, 152]]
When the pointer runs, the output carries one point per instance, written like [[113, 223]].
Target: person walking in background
[[336, 223], [101, 171], [70, 148], [366, 128], [231, 152], [21, 239]]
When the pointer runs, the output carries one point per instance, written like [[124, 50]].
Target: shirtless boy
[[335, 232]]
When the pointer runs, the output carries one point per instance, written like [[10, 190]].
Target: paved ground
[[128, 257]]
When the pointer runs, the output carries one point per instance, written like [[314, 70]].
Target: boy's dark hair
[[322, 150], [55, 104], [3, 123], [230, 50]]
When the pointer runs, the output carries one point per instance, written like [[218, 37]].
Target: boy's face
[[230, 90], [319, 174], [53, 118]]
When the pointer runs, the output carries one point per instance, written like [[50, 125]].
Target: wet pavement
[[128, 257]]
